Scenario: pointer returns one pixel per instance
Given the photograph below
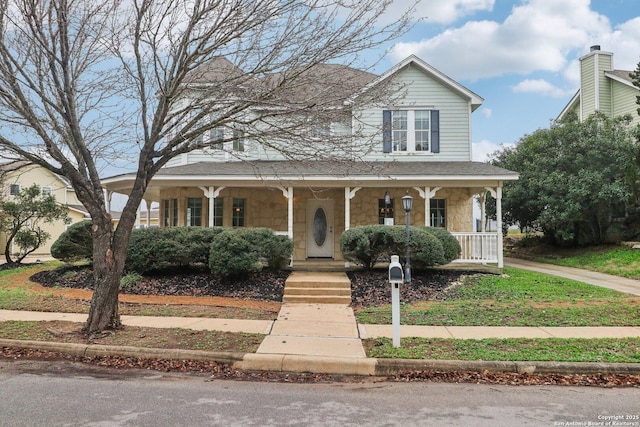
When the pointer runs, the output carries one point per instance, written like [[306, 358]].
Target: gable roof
[[621, 76], [412, 60], [16, 165]]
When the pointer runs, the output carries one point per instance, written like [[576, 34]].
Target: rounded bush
[[232, 255], [74, 244], [366, 245], [450, 244], [154, 249]]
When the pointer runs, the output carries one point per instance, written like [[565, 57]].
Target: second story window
[[14, 189], [411, 131], [238, 140], [45, 191], [216, 138]]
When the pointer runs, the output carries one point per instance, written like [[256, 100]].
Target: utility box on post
[[396, 277]]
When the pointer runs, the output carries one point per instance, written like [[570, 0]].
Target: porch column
[[138, 215], [287, 192], [497, 194], [427, 194], [108, 194], [211, 193], [483, 213], [148, 202], [499, 225], [348, 195]]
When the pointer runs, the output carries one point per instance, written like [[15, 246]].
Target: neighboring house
[[421, 146], [16, 176], [603, 88]]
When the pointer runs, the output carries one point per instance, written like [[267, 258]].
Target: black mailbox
[[396, 273]]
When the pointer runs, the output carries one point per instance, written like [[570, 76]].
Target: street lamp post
[[407, 204]]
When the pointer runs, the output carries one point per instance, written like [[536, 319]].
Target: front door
[[319, 228]]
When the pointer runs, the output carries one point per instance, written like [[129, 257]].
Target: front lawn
[[517, 298], [619, 261], [623, 350]]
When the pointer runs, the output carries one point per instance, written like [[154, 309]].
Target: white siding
[[423, 92]]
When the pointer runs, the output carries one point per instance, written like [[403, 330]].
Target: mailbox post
[[396, 277]]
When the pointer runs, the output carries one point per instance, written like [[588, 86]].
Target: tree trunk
[[108, 266]]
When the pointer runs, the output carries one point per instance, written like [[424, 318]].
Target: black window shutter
[[386, 131], [435, 131]]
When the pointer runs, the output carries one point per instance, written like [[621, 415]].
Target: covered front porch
[[314, 208]]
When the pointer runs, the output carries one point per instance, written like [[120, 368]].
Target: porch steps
[[317, 288]]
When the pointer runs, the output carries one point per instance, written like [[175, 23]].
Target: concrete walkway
[[617, 283]]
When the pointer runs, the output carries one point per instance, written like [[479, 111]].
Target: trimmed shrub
[[155, 249], [279, 250], [196, 241], [366, 245], [232, 255], [74, 244], [262, 244], [425, 249], [450, 244]]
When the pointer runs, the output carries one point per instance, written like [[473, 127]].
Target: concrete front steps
[[317, 288]]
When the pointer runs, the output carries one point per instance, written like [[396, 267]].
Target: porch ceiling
[[318, 174]]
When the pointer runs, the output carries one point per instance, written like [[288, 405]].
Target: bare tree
[[90, 83]]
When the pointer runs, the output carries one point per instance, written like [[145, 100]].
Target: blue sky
[[520, 56]]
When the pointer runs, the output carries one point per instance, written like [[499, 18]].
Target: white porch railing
[[478, 247]]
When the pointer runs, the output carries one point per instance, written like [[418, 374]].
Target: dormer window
[[411, 131]]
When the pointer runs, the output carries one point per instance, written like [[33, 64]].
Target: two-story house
[[603, 88], [15, 176], [418, 143]]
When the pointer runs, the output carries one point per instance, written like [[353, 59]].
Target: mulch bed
[[369, 288]]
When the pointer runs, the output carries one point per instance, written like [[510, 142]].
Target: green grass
[[518, 298], [625, 350], [12, 298], [619, 261]]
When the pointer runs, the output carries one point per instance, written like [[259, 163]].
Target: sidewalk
[[325, 338]]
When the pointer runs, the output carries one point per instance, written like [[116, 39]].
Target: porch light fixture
[[407, 204]]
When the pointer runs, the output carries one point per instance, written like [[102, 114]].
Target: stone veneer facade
[[267, 207]]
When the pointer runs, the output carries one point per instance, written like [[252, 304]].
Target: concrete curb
[[329, 365], [89, 350]]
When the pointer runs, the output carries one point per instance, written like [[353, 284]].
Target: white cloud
[[537, 35], [483, 150], [541, 87], [487, 112]]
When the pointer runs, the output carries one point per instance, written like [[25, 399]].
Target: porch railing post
[[499, 225]]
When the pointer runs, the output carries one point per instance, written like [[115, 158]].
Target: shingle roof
[[296, 169], [623, 74]]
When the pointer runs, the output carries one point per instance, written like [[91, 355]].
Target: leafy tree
[[635, 79], [572, 179], [21, 217], [84, 84]]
